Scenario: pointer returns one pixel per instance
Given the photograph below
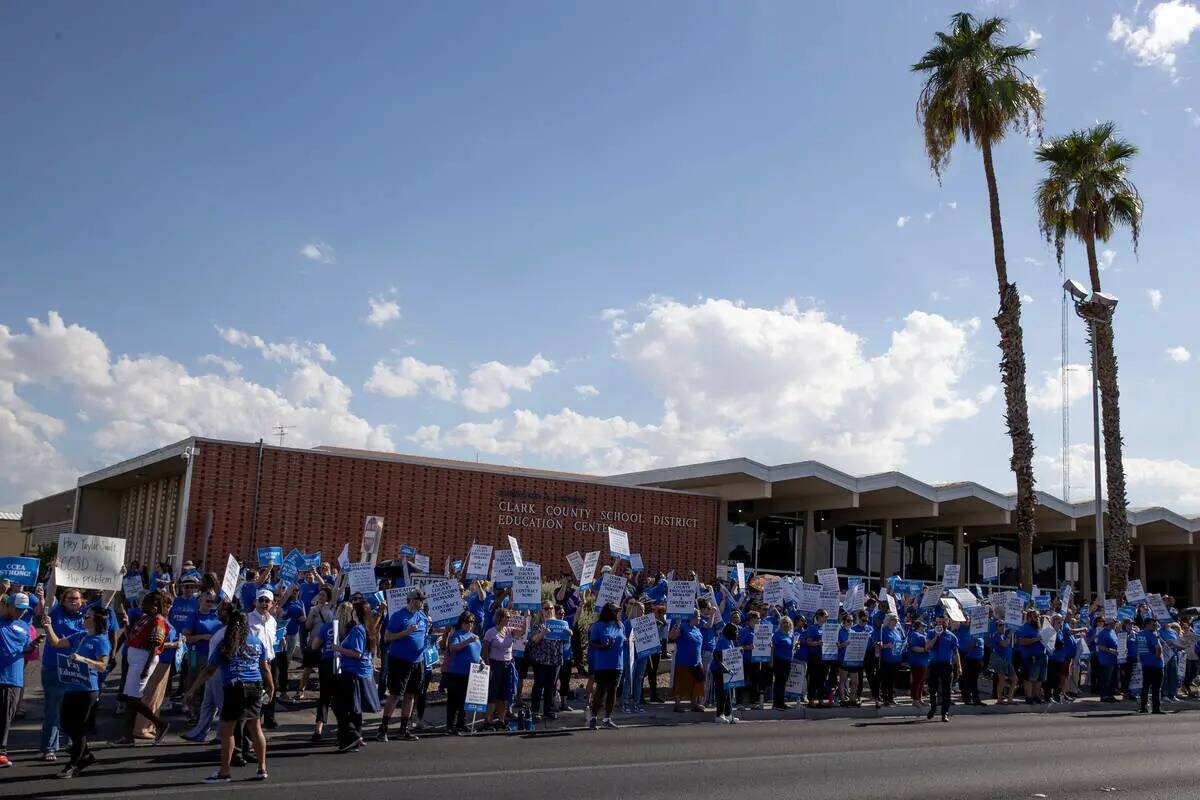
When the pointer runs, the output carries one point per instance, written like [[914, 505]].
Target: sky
[[601, 237]]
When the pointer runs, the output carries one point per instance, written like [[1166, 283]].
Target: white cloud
[[1171, 25], [1026, 298], [1031, 260], [1156, 298], [586, 390], [1179, 354], [319, 252], [610, 314], [953, 204], [1032, 38], [291, 351], [1169, 483], [902, 221], [1048, 396], [408, 376], [490, 384], [1106, 259], [382, 311], [928, 216], [230, 365], [1193, 116]]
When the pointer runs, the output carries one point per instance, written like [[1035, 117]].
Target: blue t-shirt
[[746, 638], [687, 646], [74, 676], [1030, 650], [943, 648], [308, 592], [709, 632], [242, 666], [325, 632], [356, 640], [202, 623], [812, 638], [1059, 653], [894, 637], [609, 657], [460, 663], [969, 646], [65, 626], [1002, 644], [410, 647], [14, 640], [293, 611], [1107, 638], [181, 612], [1147, 651], [782, 645], [722, 645]]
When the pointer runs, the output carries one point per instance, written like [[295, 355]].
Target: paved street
[[1070, 754]]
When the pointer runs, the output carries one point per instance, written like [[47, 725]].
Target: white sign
[[855, 598], [830, 602], [89, 562], [950, 576], [856, 647], [477, 689], [445, 603], [893, 608], [761, 651], [612, 590], [979, 620], [741, 575], [372, 532], [576, 561], [991, 568], [618, 543], [797, 683], [361, 577], [515, 547], [229, 583], [421, 563], [645, 635], [478, 561], [810, 598], [681, 599], [635, 562], [731, 659], [527, 588], [1110, 609], [828, 578], [590, 562], [932, 594], [503, 568], [1048, 636], [396, 599], [1134, 592], [952, 609], [1158, 608], [965, 597], [132, 587], [1014, 610], [1122, 646], [829, 640], [773, 593], [344, 557]]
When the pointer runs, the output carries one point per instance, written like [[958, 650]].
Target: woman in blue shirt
[[606, 643], [78, 673], [918, 661], [970, 651], [1056, 662], [1033, 657], [1150, 651], [689, 675], [463, 648], [725, 648], [891, 649], [783, 647], [943, 661], [817, 689], [1001, 663], [355, 688], [1105, 659]]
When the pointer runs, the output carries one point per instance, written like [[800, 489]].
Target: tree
[[1087, 194], [975, 87]]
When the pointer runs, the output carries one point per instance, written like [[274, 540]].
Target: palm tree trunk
[[1012, 374], [1116, 535]]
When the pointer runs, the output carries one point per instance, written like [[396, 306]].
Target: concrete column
[[885, 552], [810, 545], [1085, 566], [1142, 566]]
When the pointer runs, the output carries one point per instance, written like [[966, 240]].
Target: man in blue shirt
[[1106, 659], [182, 609], [15, 642], [405, 638], [1033, 657], [1151, 654], [943, 661]]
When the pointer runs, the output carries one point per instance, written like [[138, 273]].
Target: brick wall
[[318, 501]]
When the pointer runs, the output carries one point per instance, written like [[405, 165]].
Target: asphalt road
[[1060, 756]]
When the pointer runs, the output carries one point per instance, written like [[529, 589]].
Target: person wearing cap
[[943, 662], [182, 608], [1001, 663], [918, 660], [264, 625], [1150, 652], [200, 631], [1033, 657], [15, 642], [405, 636], [1106, 659]]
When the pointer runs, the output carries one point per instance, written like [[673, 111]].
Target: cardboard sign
[[292, 566], [829, 641], [575, 559], [681, 599], [731, 659], [361, 578], [979, 620], [90, 562], [950, 576], [445, 603], [760, 652], [618, 543], [773, 593], [131, 587], [828, 578], [931, 596], [503, 569], [590, 562], [740, 569], [421, 563], [527, 588], [270, 556], [515, 548], [612, 590], [797, 682], [477, 689], [645, 635], [229, 583], [991, 568], [635, 562], [19, 570], [478, 561], [1134, 593]]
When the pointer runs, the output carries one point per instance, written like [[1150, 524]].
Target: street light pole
[[1100, 576]]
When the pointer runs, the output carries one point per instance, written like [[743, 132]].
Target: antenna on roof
[[1066, 402], [281, 432]]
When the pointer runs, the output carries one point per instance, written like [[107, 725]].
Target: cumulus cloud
[[586, 390], [1031, 260], [408, 376], [1032, 38], [230, 365], [382, 311], [1106, 259], [291, 351], [902, 221], [1170, 483], [490, 385], [1048, 395], [319, 252], [1155, 297], [1179, 354], [1170, 27]]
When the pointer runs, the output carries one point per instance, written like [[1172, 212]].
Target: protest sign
[[576, 561], [478, 561], [1014, 610], [312, 560], [515, 547], [612, 590], [361, 578], [1135, 678], [289, 571], [1155, 603], [681, 599], [965, 597], [828, 578], [590, 562], [645, 635], [421, 563], [810, 598], [740, 569], [445, 603], [270, 556], [932, 594], [502, 569], [855, 598], [1134, 593], [731, 659], [797, 681], [19, 570], [477, 689], [527, 588], [856, 647], [423, 582], [1048, 636], [396, 599], [979, 620], [229, 583], [773, 593], [558, 630], [407, 550], [344, 557], [1042, 602], [761, 650], [829, 640], [372, 533], [635, 562], [830, 602], [950, 576], [131, 587], [90, 562], [72, 673], [1110, 608], [618, 543], [991, 568], [953, 611], [893, 606]]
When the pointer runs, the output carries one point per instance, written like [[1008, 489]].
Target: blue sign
[[852, 581], [290, 571], [1042, 601], [313, 560], [23, 571], [407, 550], [456, 565], [906, 587], [1127, 612], [1025, 596], [559, 631], [269, 556]]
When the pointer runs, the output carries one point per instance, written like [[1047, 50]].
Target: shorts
[[135, 684], [1002, 666], [1033, 668], [689, 683], [310, 659], [241, 702], [404, 677], [500, 681], [606, 678], [852, 670]]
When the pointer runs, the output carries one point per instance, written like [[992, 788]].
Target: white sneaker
[[733, 720], [758, 707], [722, 719]]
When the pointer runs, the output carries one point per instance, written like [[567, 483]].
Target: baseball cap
[[267, 593], [18, 600], [188, 565], [192, 578]]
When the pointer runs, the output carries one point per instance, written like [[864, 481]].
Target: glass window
[[821, 552], [850, 549], [945, 551], [1043, 567], [739, 535], [895, 557], [777, 544], [1008, 566], [920, 557]]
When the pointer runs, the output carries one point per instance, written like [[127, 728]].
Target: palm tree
[[976, 88], [1087, 193]]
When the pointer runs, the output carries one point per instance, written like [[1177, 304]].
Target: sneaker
[[564, 707], [346, 748], [316, 738], [757, 707], [238, 761], [261, 775], [67, 772], [945, 718], [721, 718], [162, 733], [609, 724], [639, 709], [217, 777], [733, 720], [409, 736], [192, 739], [85, 762], [382, 736], [4, 762], [592, 724], [54, 756]]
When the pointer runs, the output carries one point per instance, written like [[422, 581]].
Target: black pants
[[75, 709], [887, 681], [724, 708], [544, 680], [325, 679], [652, 673], [968, 681], [780, 670], [751, 691], [349, 722], [10, 698], [564, 679], [939, 686], [816, 679], [1106, 678], [419, 706], [456, 698], [1152, 680], [577, 648], [1053, 678], [871, 670]]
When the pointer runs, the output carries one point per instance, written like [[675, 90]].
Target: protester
[[497, 650], [546, 653], [783, 647], [943, 662], [355, 690], [78, 675], [15, 642], [463, 648], [146, 640], [688, 673], [1151, 654], [606, 641], [405, 638]]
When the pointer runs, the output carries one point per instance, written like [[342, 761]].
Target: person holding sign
[[1150, 652], [970, 651], [355, 687], [633, 673], [405, 640], [463, 648], [783, 648], [498, 652], [891, 649], [1106, 658], [1033, 657], [688, 672], [726, 647], [546, 655], [145, 641], [606, 642], [1001, 663], [817, 688], [943, 662], [16, 642], [918, 661]]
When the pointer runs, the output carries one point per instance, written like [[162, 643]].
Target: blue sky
[[718, 217]]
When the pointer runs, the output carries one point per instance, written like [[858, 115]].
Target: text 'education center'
[[200, 499]]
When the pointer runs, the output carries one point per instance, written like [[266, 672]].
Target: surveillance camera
[[1076, 289]]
